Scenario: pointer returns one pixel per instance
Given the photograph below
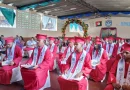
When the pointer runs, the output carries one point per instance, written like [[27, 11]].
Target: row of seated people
[[81, 60]]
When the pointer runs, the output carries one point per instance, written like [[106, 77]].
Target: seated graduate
[[119, 75], [111, 49], [77, 69], [68, 51], [88, 46], [99, 59], [35, 71], [63, 46], [9, 70], [53, 48]]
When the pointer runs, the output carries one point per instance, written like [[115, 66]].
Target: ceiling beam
[[9, 1], [7, 6], [87, 5], [32, 3], [69, 12], [41, 8], [71, 15], [62, 7]]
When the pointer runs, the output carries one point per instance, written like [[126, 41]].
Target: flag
[[98, 23], [9, 14]]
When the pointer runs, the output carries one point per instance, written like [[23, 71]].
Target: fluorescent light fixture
[[11, 4], [1, 1], [72, 8], [116, 5], [52, 5], [47, 12], [56, 9], [128, 8]]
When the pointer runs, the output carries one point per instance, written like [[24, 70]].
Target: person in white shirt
[[30, 45]]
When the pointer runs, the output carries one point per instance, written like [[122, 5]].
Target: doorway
[[108, 31]]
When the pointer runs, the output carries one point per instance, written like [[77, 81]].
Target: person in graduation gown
[[105, 41], [99, 58], [69, 50], [63, 47], [53, 48], [9, 66], [123, 41], [91, 42], [119, 75], [57, 41], [111, 49], [119, 45], [35, 71], [77, 70], [88, 46]]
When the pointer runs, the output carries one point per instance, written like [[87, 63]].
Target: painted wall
[[30, 33], [122, 31]]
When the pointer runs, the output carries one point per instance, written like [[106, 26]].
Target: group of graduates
[[76, 58]]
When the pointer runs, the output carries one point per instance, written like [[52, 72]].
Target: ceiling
[[110, 5], [71, 7]]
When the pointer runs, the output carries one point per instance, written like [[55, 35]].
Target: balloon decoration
[[84, 26]]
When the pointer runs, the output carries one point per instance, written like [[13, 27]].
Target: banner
[[98, 23], [49, 23], [4, 22], [74, 27]]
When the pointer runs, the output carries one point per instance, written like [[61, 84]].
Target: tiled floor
[[54, 84]]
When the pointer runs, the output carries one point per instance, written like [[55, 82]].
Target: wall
[[122, 31], [30, 33]]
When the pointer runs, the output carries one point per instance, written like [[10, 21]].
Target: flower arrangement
[[85, 27]]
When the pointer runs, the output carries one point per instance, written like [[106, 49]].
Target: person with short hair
[[9, 71], [77, 70], [119, 75], [35, 72]]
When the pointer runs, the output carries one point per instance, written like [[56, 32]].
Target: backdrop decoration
[[84, 26]]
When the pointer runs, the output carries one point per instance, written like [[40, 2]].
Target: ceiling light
[[128, 8], [116, 5], [11, 4], [72, 8], [47, 12], [64, 6], [33, 8], [56, 9], [52, 5], [1, 1], [27, 9]]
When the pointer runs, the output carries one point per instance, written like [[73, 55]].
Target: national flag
[[98, 23]]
